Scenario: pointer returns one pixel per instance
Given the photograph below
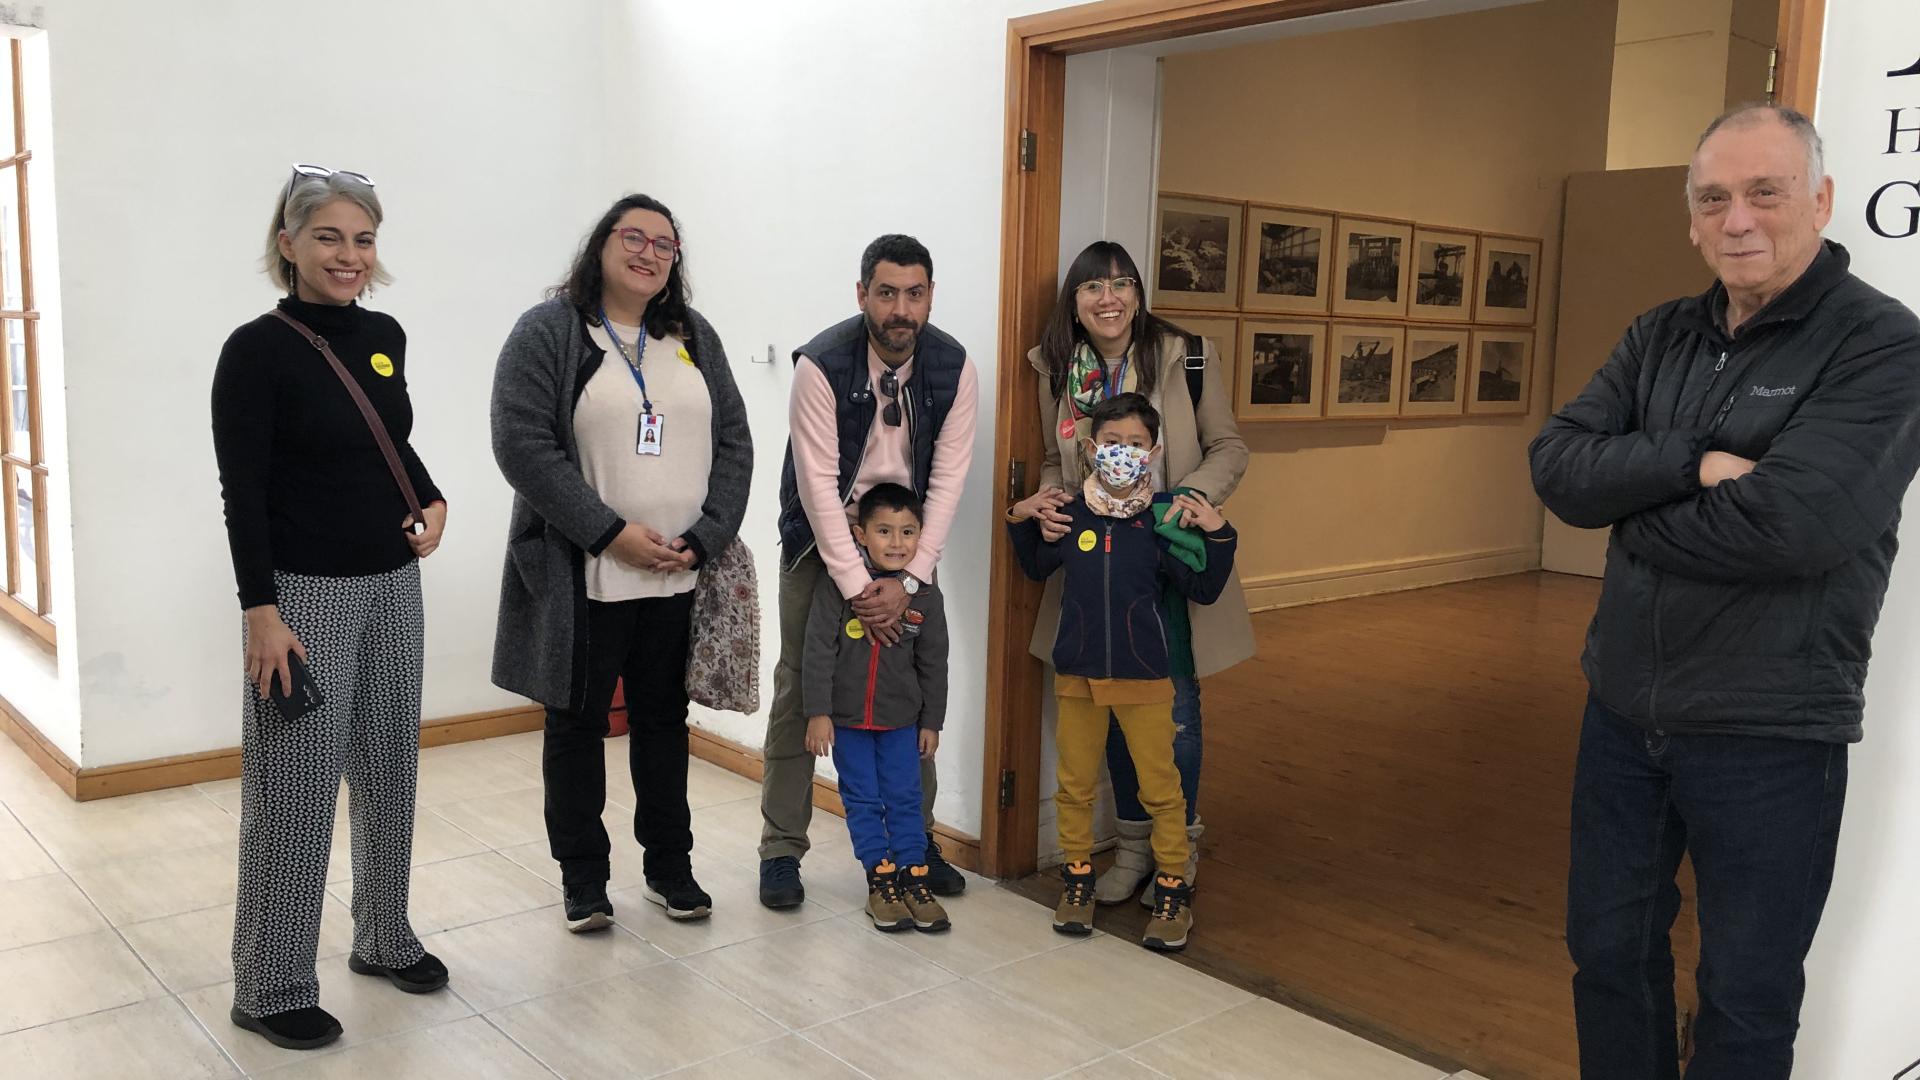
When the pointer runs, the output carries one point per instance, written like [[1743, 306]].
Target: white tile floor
[[115, 919]]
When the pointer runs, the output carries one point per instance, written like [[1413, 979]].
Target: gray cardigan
[[539, 647]]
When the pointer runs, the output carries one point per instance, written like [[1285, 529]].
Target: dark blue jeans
[[1186, 756], [1761, 819], [880, 788]]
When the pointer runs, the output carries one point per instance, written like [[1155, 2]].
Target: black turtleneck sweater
[[305, 486]]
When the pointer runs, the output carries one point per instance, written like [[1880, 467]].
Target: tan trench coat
[[1204, 450]]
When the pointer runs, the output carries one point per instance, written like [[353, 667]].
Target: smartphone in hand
[[299, 699]]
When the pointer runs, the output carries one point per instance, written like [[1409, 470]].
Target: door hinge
[[1773, 71], [1029, 151], [1016, 480], [1006, 789]]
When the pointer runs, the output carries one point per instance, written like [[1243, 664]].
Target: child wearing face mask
[[1111, 652]]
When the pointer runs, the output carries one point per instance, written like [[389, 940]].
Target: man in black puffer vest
[[1750, 448], [883, 397]]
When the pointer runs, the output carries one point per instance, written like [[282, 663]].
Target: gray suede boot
[[1194, 832], [1132, 864]]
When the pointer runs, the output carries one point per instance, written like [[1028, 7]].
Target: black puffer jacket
[[1746, 608]]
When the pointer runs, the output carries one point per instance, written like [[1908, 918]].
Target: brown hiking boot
[[1075, 913], [1172, 915], [916, 889], [884, 903]]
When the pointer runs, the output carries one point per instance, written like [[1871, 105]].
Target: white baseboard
[[1367, 579]]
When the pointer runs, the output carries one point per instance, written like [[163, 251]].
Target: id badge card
[[652, 431]]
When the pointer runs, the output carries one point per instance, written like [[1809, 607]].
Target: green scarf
[[1087, 381], [1190, 547]]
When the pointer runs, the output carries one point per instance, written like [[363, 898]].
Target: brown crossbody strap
[[374, 423]]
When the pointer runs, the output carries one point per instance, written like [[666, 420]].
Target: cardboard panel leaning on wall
[[1608, 276]]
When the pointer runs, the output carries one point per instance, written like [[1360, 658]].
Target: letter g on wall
[[1876, 216]]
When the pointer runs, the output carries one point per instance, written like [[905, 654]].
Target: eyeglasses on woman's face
[[1123, 288], [637, 242]]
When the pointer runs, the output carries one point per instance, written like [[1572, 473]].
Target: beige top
[[663, 492]]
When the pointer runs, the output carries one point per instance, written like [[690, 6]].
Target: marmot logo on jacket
[[1774, 391]]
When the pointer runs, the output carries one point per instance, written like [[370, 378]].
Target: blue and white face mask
[[1121, 465]]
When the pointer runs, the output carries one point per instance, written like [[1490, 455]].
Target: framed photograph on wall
[[1289, 256], [1372, 265], [1222, 330], [1435, 380], [1502, 370], [1197, 256], [1508, 286], [1363, 374], [1279, 376], [1443, 266]]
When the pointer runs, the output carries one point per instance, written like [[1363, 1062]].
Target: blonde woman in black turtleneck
[[328, 572]]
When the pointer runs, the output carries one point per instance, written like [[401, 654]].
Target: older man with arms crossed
[[1750, 448]]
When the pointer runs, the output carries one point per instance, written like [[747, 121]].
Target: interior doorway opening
[[1386, 785]]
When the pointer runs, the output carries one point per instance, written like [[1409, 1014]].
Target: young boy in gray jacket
[[879, 709]]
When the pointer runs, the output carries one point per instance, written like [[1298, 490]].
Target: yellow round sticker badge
[[1088, 540], [855, 630], [383, 364]]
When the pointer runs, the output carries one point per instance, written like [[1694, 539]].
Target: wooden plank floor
[[1386, 797]]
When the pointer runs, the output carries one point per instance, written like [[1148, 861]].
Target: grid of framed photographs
[[1321, 315]]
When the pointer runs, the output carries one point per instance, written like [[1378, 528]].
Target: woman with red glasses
[[321, 508], [618, 424]]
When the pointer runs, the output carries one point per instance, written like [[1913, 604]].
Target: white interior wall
[[489, 147], [1861, 992], [786, 137]]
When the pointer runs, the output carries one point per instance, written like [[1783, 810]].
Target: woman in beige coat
[[1092, 349]]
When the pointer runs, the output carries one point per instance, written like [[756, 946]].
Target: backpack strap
[[1196, 365]]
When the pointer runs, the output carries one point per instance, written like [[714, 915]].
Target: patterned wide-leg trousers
[[363, 637]]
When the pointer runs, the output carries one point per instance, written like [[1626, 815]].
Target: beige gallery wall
[[1472, 121]]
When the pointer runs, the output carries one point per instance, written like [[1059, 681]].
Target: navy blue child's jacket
[[1117, 569]]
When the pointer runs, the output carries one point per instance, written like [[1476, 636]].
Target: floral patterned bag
[[723, 662]]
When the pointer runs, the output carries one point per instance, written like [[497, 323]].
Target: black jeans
[[644, 643], [1761, 819]]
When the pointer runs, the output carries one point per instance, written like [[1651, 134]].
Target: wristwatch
[[910, 583]]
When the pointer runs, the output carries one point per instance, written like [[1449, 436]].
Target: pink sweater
[[814, 429]]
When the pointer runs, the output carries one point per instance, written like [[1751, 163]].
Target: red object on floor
[[617, 715]]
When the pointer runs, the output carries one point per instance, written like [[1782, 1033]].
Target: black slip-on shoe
[[295, 1029], [423, 976]]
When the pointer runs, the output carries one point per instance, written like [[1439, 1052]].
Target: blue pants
[[880, 787], [1761, 819], [1186, 756]]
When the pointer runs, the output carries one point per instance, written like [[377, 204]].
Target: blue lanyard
[[633, 361], [1112, 386]]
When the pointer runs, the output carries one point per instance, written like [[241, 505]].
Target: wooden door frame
[[1037, 49]]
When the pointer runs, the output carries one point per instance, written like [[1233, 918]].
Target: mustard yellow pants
[[1144, 709]]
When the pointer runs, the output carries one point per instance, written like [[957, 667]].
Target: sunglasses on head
[[321, 172]]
